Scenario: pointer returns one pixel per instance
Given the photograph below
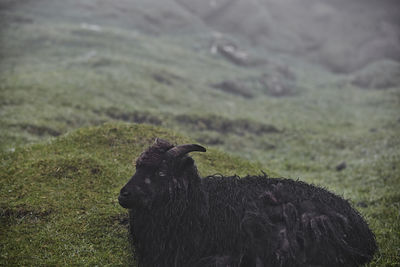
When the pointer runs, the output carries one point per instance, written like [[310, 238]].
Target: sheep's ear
[[162, 143], [187, 162], [158, 141], [188, 171]]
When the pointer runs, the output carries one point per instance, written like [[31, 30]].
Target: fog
[[340, 35], [251, 49]]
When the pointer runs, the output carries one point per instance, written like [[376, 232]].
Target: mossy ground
[[58, 193], [59, 199]]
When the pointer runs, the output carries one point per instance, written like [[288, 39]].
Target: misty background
[[160, 61], [342, 36]]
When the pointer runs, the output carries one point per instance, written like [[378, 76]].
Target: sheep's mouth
[[124, 202], [129, 203]]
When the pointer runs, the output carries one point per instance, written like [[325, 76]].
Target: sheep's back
[[286, 222]]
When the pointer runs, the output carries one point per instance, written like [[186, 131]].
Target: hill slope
[[59, 200]]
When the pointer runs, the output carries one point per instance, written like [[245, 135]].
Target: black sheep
[[180, 219]]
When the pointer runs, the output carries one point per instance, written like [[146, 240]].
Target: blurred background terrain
[[309, 89]]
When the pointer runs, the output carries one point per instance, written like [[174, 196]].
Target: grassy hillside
[[59, 199], [72, 64]]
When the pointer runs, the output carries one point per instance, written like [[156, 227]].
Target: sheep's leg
[[223, 261], [259, 262], [247, 260]]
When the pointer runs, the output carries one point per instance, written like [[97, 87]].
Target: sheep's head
[[160, 170]]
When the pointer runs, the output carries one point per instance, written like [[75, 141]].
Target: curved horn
[[181, 150]]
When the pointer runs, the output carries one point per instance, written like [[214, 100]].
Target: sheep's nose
[[124, 193], [123, 198]]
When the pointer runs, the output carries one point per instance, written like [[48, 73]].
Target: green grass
[[59, 199], [59, 188]]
